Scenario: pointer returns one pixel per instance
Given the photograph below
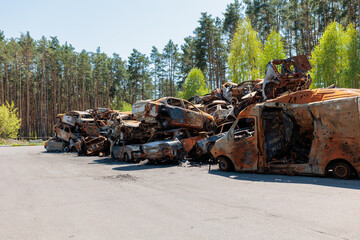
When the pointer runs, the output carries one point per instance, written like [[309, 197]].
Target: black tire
[[341, 170], [66, 149], [181, 156], [126, 157], [225, 164], [164, 122]]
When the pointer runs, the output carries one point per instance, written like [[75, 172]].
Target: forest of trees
[[43, 77]]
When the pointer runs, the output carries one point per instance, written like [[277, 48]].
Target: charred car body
[[172, 112], [311, 132], [169, 145]]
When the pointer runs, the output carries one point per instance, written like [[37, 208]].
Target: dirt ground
[[63, 196]]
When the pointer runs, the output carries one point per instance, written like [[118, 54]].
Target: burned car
[[309, 132], [75, 118], [219, 109], [95, 146], [54, 145], [202, 147], [172, 112], [169, 145], [125, 152], [293, 76]]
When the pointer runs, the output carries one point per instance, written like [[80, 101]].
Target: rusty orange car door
[[243, 145], [193, 115]]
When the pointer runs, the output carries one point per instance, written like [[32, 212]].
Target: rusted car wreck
[[172, 112], [309, 132]]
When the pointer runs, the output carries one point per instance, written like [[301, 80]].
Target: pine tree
[[157, 72], [187, 58], [232, 16], [171, 66]]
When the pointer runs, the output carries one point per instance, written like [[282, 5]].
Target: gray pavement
[[63, 196]]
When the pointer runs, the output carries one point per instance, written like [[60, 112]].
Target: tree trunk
[[7, 88], [42, 103], [324, 12], [97, 90], [76, 97], [359, 13], [2, 86], [307, 28], [27, 96], [54, 92], [83, 92]]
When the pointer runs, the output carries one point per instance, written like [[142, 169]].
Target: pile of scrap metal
[[83, 132], [165, 129], [170, 129], [281, 77]]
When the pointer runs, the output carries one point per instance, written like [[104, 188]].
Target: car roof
[[316, 95]]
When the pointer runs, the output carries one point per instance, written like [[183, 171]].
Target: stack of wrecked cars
[[80, 131], [270, 125], [165, 129]]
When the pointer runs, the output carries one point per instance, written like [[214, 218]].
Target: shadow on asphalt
[[320, 181], [131, 166], [56, 153]]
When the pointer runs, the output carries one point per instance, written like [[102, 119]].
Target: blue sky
[[115, 26]]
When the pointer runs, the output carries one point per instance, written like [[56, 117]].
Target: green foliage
[[351, 74], [245, 53], [194, 84], [121, 105], [336, 60], [273, 49], [9, 121]]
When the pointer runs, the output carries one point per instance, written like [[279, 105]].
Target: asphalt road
[[63, 196]]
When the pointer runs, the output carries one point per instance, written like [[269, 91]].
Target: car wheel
[[225, 164], [126, 157], [164, 123], [181, 156], [66, 149], [341, 170]]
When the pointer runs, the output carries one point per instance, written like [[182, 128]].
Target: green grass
[[16, 143], [27, 144]]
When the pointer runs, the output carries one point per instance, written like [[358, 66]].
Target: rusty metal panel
[[302, 62], [55, 146]]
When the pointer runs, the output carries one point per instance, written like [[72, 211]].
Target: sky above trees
[[113, 25]]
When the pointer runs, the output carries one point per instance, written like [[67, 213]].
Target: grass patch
[[18, 143]]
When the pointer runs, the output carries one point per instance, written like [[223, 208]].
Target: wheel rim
[[223, 164], [164, 123], [341, 171]]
